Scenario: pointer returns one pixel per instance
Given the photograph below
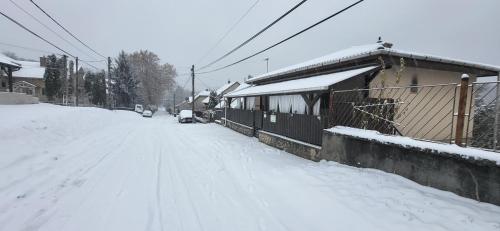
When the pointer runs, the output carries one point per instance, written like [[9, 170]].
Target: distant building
[[27, 78], [226, 88]]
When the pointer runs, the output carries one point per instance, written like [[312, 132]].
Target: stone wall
[[474, 178], [10, 98], [298, 148], [243, 129]]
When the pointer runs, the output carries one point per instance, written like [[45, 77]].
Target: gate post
[[497, 114], [330, 109], [462, 104]]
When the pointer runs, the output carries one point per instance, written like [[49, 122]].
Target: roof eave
[[486, 68]]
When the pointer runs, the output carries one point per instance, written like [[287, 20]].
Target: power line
[[203, 83], [45, 40], [29, 48], [35, 34], [47, 27], [72, 35], [229, 31], [185, 83], [284, 40], [254, 36]]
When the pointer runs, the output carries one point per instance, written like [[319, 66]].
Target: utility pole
[[108, 92], [174, 103], [66, 82], [192, 94], [77, 90]]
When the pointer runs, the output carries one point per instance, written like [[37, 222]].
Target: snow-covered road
[[73, 169]]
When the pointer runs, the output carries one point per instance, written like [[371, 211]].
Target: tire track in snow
[[41, 218], [158, 188]]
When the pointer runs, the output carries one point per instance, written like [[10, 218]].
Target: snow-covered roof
[[206, 100], [316, 83], [202, 93], [6, 60], [357, 52], [23, 83], [29, 69], [241, 87], [221, 104], [225, 87]]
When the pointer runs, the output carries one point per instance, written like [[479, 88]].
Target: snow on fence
[[448, 113]]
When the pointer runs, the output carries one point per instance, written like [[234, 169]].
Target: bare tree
[[154, 79]]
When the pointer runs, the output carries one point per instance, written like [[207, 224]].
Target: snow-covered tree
[[123, 85], [212, 101], [155, 79], [95, 87]]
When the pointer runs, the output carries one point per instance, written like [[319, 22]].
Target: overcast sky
[[181, 31]]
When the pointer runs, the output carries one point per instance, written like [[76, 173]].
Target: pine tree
[[95, 87], [123, 85], [212, 101], [52, 77]]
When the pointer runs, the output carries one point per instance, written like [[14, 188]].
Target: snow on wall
[[409, 142]]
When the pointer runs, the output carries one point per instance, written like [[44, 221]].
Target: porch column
[[9, 74], [310, 100]]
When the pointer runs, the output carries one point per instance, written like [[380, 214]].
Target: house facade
[[406, 93], [221, 91], [27, 78]]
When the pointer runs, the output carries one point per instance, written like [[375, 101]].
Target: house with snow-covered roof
[[284, 101], [27, 78], [221, 91]]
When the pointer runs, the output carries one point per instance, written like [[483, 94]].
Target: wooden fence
[[306, 128]]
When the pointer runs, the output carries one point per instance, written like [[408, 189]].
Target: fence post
[[462, 104], [330, 109]]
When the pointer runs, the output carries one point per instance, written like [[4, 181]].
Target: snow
[[224, 88], [356, 52], [316, 83], [221, 104], [240, 87], [65, 168], [29, 70], [6, 60], [202, 93], [206, 100], [407, 141], [186, 114]]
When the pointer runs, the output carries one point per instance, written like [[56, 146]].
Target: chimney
[[229, 81], [43, 61], [383, 44]]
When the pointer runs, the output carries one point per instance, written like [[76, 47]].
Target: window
[[4, 84], [414, 84], [43, 91]]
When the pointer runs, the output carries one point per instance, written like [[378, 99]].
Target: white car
[[138, 108], [147, 113], [185, 116]]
